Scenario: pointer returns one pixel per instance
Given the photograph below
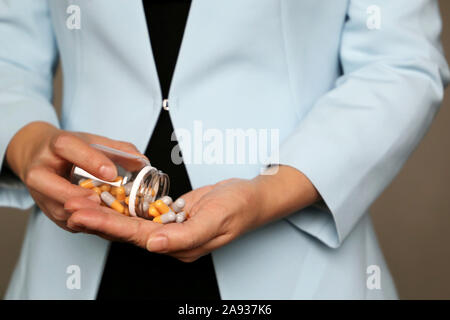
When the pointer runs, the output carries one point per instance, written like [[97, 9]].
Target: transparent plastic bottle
[[142, 183]]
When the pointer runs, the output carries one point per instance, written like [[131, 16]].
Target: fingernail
[[107, 172], [157, 244]]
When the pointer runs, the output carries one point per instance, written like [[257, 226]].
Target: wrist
[[20, 148], [283, 190]]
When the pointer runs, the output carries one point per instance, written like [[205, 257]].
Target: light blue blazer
[[351, 97]]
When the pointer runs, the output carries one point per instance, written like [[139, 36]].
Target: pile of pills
[[163, 210]]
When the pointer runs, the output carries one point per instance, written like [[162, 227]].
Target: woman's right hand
[[42, 155]]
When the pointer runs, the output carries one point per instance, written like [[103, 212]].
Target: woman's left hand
[[217, 214]]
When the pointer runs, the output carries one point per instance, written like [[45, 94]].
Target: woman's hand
[[218, 214], [41, 156]]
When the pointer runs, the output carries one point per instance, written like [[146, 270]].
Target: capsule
[[97, 190], [161, 206], [153, 212], [105, 187], [112, 202], [167, 200], [145, 206], [89, 183], [180, 217], [128, 187], [119, 193], [178, 205], [165, 218]]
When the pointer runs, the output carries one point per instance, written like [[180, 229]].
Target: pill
[[112, 202], [128, 187], [105, 187], [145, 206], [89, 183], [150, 193], [97, 190], [167, 200], [161, 206], [120, 193], [180, 217], [165, 218], [153, 212], [178, 205]]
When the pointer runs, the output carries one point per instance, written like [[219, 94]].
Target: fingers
[[112, 225], [78, 203], [194, 254], [184, 236], [80, 153], [53, 210], [55, 187], [120, 145]]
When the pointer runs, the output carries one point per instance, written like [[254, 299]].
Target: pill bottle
[[137, 183]]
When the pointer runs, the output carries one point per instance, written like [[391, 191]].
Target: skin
[[42, 156], [219, 213]]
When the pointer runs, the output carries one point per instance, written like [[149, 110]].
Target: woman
[[349, 103]]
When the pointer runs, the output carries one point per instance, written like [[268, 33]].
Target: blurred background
[[412, 217]]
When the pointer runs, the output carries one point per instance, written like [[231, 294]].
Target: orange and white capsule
[[97, 190], [153, 212], [161, 206], [105, 187], [120, 193], [178, 205], [167, 200], [165, 218], [128, 187], [112, 202], [180, 217], [89, 183]]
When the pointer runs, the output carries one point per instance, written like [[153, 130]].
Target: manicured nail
[[157, 244], [107, 172]]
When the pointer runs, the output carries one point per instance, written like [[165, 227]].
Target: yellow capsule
[[88, 183], [161, 206], [112, 202], [97, 190], [157, 219], [153, 212], [105, 187], [120, 193]]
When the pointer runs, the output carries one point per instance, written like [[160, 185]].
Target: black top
[[131, 272]]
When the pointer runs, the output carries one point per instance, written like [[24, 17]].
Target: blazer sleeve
[[28, 56], [356, 138]]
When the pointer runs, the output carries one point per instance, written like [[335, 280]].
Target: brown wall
[[412, 217]]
